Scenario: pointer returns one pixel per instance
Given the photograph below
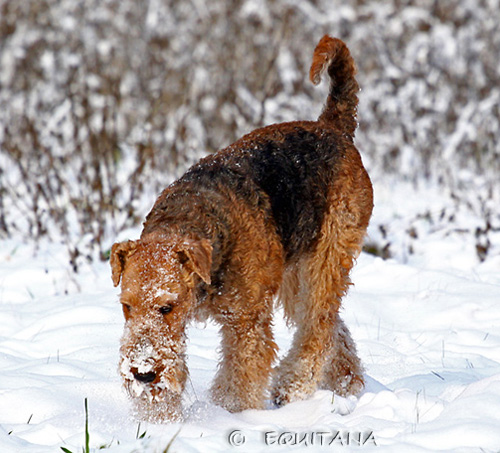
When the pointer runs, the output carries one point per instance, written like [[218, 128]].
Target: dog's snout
[[145, 378]]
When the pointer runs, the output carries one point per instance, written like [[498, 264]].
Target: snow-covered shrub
[[104, 102], [430, 114]]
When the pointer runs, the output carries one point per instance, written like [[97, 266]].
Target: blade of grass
[[167, 448], [87, 436]]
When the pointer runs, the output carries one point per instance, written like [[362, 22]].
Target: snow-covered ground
[[427, 329]]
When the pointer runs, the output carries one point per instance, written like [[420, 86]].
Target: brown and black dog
[[280, 214]]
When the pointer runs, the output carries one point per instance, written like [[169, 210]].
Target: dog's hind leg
[[322, 353], [343, 371]]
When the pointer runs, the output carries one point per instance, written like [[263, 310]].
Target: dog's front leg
[[248, 351]]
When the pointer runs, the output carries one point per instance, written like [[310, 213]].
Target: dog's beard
[[160, 400], [157, 406]]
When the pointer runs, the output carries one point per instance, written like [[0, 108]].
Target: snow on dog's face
[[158, 276]]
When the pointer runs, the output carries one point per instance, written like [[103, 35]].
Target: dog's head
[[158, 277]]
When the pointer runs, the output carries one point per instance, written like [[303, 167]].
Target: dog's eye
[[126, 309], [166, 309]]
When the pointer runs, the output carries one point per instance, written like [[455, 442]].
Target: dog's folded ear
[[119, 254], [196, 256]]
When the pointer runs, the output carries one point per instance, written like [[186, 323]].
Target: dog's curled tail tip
[[330, 52], [323, 55], [332, 55]]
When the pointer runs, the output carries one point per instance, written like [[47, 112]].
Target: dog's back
[[286, 169]]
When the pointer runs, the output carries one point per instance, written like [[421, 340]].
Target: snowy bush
[[104, 102]]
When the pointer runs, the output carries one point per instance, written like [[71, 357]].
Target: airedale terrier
[[281, 212]]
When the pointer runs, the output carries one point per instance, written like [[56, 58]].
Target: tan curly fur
[[278, 215]]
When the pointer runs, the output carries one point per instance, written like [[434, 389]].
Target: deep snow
[[426, 327]]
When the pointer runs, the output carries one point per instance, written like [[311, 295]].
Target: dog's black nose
[[145, 377]]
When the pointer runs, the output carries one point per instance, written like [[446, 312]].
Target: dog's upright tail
[[341, 105]]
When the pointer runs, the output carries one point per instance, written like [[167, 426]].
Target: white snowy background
[[105, 102]]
